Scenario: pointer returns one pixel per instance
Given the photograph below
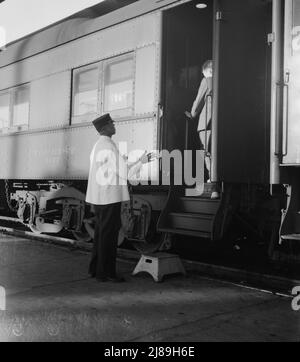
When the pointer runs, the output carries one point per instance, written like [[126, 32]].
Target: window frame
[[3, 93], [12, 94], [24, 126], [123, 112], [88, 117], [84, 119]]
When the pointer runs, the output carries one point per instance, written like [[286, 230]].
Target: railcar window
[[118, 86], [296, 27], [4, 110], [21, 106], [296, 13], [85, 91]]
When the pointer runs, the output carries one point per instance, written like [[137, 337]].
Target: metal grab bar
[[187, 131], [285, 119], [209, 96], [281, 129], [278, 128], [188, 118], [159, 116]]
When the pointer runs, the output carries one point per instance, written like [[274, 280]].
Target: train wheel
[[82, 236], [86, 233], [34, 229], [155, 242]]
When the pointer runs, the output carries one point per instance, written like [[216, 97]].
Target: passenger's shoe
[[215, 195], [214, 190]]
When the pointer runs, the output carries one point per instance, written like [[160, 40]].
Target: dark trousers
[[108, 223]]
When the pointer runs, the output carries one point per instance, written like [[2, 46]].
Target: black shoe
[[102, 279], [116, 279]]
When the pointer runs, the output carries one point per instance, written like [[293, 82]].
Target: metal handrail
[[187, 131], [286, 118], [207, 154], [188, 118], [278, 133]]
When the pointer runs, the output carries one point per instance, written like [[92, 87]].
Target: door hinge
[[287, 76], [219, 15], [271, 38]]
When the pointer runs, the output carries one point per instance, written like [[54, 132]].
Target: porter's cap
[[102, 121]]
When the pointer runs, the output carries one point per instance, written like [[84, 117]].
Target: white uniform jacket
[[108, 174]]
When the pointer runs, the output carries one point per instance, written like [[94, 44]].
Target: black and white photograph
[[150, 174]]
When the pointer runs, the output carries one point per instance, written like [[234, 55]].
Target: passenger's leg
[[207, 158], [208, 154]]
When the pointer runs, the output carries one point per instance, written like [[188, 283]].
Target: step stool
[[159, 265]]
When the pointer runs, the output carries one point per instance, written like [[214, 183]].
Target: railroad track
[[248, 279]]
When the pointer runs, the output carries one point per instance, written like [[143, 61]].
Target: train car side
[[49, 100], [141, 62]]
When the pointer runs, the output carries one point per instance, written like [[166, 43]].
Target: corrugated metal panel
[[79, 25], [50, 101], [64, 153], [110, 42]]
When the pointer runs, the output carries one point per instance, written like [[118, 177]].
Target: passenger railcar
[[141, 62]]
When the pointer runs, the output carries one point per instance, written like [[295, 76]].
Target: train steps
[[290, 229], [192, 216], [291, 237]]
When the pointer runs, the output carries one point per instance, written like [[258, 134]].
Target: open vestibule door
[[187, 45], [241, 98], [291, 94]]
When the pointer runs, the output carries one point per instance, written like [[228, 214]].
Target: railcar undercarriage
[[247, 213], [54, 207]]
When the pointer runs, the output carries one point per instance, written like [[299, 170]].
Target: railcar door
[[241, 93], [187, 44], [291, 111]]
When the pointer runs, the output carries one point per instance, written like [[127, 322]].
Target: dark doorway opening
[[187, 44]]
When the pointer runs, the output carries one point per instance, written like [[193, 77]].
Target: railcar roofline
[[83, 23]]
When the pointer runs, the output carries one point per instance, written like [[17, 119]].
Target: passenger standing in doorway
[[203, 105], [107, 189]]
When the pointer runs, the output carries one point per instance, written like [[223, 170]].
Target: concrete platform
[[50, 298]]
